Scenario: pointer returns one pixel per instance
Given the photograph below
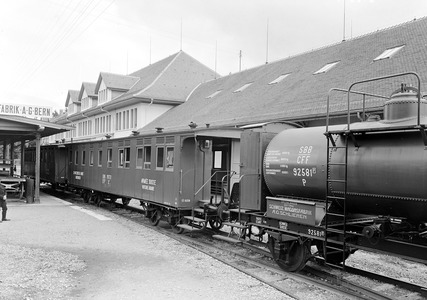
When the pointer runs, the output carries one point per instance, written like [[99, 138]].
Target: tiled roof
[[172, 79], [72, 96], [302, 95], [116, 81]]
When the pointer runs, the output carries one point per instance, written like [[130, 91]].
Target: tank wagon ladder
[[332, 248]]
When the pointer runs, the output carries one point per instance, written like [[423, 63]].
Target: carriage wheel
[[98, 198], [155, 217], [86, 197], [290, 256], [176, 229], [125, 201], [216, 223]]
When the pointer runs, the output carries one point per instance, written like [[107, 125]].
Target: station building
[[116, 105]]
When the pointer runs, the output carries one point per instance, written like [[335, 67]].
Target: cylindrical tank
[[387, 174]]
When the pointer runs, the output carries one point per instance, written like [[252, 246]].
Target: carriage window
[[109, 158], [70, 157], [147, 157], [139, 157], [83, 157], [121, 157], [76, 157], [127, 157], [160, 158], [100, 158], [91, 158], [217, 159], [169, 158]]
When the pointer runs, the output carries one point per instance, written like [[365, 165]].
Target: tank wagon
[[340, 188]]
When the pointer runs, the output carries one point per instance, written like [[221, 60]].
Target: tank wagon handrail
[[382, 78], [348, 109]]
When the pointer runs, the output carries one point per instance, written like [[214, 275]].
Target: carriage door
[[187, 176], [220, 165]]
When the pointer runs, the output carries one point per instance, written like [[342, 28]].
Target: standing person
[[3, 204]]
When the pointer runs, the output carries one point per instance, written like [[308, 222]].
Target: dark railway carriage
[[53, 164], [162, 171]]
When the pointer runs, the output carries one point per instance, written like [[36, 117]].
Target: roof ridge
[[331, 45], [158, 76], [117, 74]]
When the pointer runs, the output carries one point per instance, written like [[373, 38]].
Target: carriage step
[[237, 225], [188, 227], [211, 207], [227, 239], [194, 219], [199, 210]]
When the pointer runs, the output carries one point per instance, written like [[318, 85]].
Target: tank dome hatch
[[403, 105]]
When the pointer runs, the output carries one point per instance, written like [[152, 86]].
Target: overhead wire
[[58, 42]]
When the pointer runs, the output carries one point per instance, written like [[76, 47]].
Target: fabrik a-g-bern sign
[[26, 110]]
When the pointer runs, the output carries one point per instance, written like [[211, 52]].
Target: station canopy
[[17, 128]]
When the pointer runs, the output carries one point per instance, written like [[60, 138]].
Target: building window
[[280, 78], [109, 158], [99, 158], [326, 68], [388, 53], [214, 94], [244, 87]]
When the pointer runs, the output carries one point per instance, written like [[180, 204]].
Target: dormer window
[[388, 53], [244, 87], [280, 78], [214, 94], [326, 68]]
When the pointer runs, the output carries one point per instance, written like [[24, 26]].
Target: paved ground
[[122, 260]]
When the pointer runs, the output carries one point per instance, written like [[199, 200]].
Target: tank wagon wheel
[[125, 201], [155, 217], [216, 223], [291, 256]]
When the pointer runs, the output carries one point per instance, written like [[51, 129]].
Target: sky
[[48, 47]]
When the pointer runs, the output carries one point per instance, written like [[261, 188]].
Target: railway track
[[313, 282]]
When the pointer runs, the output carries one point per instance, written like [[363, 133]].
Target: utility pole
[[266, 55], [240, 60]]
